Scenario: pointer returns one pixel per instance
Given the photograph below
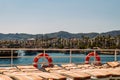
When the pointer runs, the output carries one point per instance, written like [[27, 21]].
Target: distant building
[[31, 39]]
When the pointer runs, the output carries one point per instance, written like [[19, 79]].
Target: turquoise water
[[76, 58]]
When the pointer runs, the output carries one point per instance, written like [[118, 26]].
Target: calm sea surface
[[57, 58]]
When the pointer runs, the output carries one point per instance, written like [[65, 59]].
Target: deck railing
[[115, 53]]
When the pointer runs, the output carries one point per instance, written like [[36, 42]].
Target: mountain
[[14, 36], [60, 34], [111, 33]]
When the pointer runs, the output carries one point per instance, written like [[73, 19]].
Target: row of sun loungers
[[109, 71]]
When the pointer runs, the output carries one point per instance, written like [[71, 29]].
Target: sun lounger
[[27, 68], [20, 77], [99, 74], [113, 64], [115, 74], [58, 76], [74, 76], [82, 75], [10, 69], [23, 76], [4, 77], [53, 68], [68, 65], [52, 76], [35, 77], [46, 75]]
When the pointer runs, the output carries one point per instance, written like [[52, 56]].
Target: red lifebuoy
[[97, 57], [35, 64]]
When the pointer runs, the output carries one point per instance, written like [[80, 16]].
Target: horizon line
[[57, 32]]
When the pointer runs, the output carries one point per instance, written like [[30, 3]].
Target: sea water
[[58, 58]]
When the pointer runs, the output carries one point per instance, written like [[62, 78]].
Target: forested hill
[[60, 34]]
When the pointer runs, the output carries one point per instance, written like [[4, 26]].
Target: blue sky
[[47, 16]]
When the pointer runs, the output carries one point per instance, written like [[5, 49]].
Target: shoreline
[[12, 51]]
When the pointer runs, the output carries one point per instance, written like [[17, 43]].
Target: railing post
[[70, 56], [11, 58], [115, 58], [94, 55], [44, 57], [44, 51]]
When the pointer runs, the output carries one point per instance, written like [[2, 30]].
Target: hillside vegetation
[[62, 39]]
